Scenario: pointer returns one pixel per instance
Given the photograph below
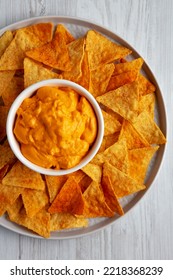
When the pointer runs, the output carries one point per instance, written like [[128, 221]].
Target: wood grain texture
[[146, 232]]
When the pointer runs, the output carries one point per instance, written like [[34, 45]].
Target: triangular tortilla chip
[[13, 89], [146, 126], [139, 160], [122, 79], [135, 64], [95, 204], [34, 201], [122, 184], [101, 50], [147, 103], [145, 86], [93, 171], [132, 137], [54, 54], [111, 124], [54, 184], [5, 40], [60, 221], [22, 176], [35, 72], [76, 52], [99, 79], [110, 196], [66, 34], [116, 155], [123, 100], [69, 199], [3, 117], [7, 156], [5, 79], [25, 39], [108, 141], [8, 194]]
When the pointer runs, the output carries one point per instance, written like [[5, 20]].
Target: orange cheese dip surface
[[55, 127]]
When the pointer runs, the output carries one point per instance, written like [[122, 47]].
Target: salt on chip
[[35, 72], [147, 127], [127, 66], [34, 201], [76, 53], [110, 196], [22, 176], [15, 86], [111, 124], [122, 79], [25, 39], [69, 199], [123, 100], [5, 79], [147, 103], [5, 40], [54, 54], [95, 204], [54, 184], [132, 137], [139, 160], [93, 171], [99, 79], [101, 50], [60, 221], [3, 117], [7, 156], [122, 184], [145, 86]]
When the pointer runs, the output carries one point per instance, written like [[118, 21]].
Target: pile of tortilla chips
[[131, 136]]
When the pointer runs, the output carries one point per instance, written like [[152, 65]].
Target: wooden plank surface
[[147, 231]]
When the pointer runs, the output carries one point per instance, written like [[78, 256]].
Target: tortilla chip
[[146, 126], [84, 182], [95, 204], [147, 103], [8, 194], [145, 86], [22, 176], [3, 208], [123, 100], [116, 155], [121, 79], [84, 80], [99, 79], [14, 209], [25, 39], [35, 72], [13, 89], [110, 196], [139, 160], [40, 223], [7, 156], [69, 199], [76, 52], [101, 50], [5, 79], [122, 184], [60, 221], [132, 137], [54, 184], [3, 171], [127, 66], [108, 141], [65, 33], [3, 117], [77, 175], [34, 201], [111, 124], [93, 171], [5, 40]]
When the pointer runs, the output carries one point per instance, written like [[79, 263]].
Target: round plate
[[78, 27]]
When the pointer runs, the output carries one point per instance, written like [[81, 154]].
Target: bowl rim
[[27, 92]]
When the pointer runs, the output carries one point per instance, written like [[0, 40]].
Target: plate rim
[[110, 33]]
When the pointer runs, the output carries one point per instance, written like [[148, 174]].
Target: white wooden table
[[147, 231]]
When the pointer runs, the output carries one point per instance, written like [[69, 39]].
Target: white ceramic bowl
[[14, 144]]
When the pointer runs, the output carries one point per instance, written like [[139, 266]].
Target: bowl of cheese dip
[[55, 127]]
